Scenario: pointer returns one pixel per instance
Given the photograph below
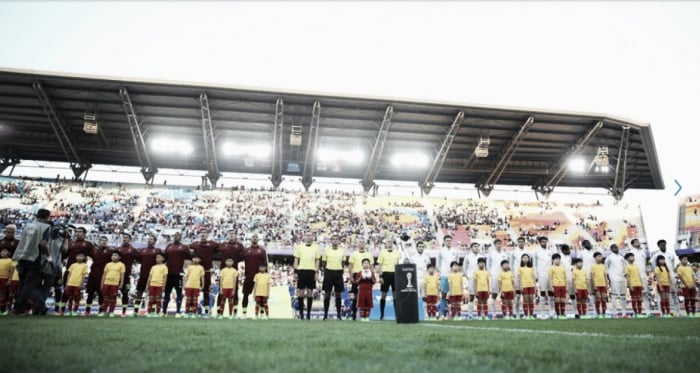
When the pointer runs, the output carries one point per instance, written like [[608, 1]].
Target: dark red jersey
[[176, 254], [100, 257], [206, 251], [252, 257], [232, 250], [129, 254], [9, 244], [147, 258], [78, 247]]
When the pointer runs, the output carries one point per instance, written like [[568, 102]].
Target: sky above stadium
[[634, 60]]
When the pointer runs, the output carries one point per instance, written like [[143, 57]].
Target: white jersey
[[566, 263], [640, 260], [516, 257], [445, 257], [421, 261], [493, 262], [671, 260], [470, 264], [615, 264], [543, 260], [587, 258]]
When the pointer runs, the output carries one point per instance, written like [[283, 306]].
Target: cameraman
[[33, 244]]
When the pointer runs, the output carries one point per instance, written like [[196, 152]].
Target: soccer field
[[34, 344]]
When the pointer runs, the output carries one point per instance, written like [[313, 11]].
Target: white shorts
[[543, 282], [618, 287], [495, 285], [421, 290]]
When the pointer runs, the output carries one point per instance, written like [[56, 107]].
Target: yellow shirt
[[685, 273], [5, 268], [334, 258], [113, 273], [632, 274], [506, 279], [356, 259], [194, 275], [388, 260], [228, 278], [599, 275], [262, 284], [159, 273], [527, 277], [77, 272], [557, 275], [663, 277], [455, 282], [15, 274], [432, 285], [307, 255], [580, 279], [481, 276]]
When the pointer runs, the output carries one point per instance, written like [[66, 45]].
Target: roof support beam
[[147, 169], [9, 159], [486, 185], [277, 144], [78, 164], [213, 173], [562, 168], [618, 189], [429, 181], [377, 150], [311, 145]]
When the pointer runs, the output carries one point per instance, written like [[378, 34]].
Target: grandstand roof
[[248, 116]]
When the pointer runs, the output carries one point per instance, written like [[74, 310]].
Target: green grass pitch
[[50, 344]]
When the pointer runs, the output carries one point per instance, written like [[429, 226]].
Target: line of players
[[558, 277], [161, 272]]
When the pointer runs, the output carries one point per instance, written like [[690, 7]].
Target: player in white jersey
[[446, 256], [566, 262], [543, 260], [493, 264], [469, 267], [672, 263], [586, 256], [515, 259], [615, 265], [421, 260], [640, 260]]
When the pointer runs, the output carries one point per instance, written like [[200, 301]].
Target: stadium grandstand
[[87, 122]]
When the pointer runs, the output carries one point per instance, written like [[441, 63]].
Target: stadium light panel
[[355, 156], [577, 165], [413, 160], [254, 150], [171, 146]]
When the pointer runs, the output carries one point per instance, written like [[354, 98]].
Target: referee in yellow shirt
[[332, 260], [306, 261], [388, 259]]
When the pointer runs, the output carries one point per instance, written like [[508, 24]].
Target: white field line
[[558, 332]]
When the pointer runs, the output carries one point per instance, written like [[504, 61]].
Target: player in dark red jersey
[[252, 258], [9, 242], [176, 253], [128, 254], [101, 255], [206, 249], [79, 245], [147, 258], [232, 249]]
